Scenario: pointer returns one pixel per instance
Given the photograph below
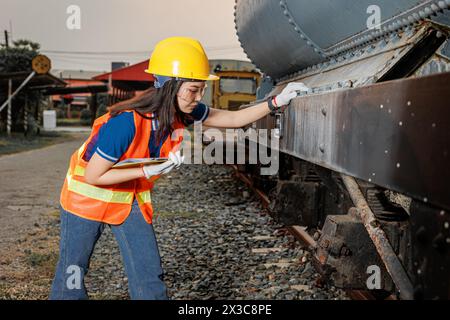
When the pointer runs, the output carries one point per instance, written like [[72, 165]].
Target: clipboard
[[137, 162]]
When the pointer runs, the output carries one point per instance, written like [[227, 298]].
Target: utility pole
[[8, 115], [6, 39]]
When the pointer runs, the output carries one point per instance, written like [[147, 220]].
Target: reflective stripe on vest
[[79, 171], [142, 197], [100, 194]]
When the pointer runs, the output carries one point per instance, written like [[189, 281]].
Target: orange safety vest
[[112, 204]]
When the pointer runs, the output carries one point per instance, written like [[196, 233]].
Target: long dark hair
[[162, 102]]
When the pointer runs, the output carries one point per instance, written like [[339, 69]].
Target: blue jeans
[[138, 247]]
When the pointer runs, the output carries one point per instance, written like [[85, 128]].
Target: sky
[[118, 30]]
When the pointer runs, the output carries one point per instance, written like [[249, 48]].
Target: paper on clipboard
[[138, 162]]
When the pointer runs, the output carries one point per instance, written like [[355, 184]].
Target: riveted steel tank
[[284, 36]]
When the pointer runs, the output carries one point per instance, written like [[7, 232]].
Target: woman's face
[[190, 94]]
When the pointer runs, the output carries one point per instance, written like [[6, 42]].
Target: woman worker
[[95, 195]]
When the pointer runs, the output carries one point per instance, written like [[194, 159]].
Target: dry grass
[[27, 269], [19, 143]]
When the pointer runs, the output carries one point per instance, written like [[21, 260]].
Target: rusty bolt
[[325, 244], [322, 259], [345, 251], [374, 224]]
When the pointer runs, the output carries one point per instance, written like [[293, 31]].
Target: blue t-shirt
[[115, 136]]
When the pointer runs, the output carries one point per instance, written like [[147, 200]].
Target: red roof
[[134, 72], [77, 83]]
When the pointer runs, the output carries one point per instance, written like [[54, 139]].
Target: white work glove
[[175, 160], [291, 91]]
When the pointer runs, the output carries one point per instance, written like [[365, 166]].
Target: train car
[[364, 154]]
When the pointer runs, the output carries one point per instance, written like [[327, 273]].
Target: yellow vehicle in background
[[237, 86]]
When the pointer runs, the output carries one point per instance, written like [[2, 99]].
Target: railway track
[[309, 242]]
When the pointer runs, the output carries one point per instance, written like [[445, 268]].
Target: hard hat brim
[[210, 77]]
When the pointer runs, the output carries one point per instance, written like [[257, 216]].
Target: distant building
[[26, 106], [126, 81], [75, 102], [119, 65]]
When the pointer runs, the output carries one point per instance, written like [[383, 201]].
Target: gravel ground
[[221, 246]]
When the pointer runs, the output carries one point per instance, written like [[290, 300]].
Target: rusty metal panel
[[394, 134]]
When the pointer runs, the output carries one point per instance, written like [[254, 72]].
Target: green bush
[[102, 104], [18, 56], [61, 113], [74, 114]]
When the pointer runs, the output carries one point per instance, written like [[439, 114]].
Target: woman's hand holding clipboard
[[153, 166]]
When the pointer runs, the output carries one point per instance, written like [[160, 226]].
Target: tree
[[17, 58]]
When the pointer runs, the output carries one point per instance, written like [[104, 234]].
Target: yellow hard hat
[[180, 57]]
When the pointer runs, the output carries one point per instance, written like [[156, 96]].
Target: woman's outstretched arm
[[236, 119]]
